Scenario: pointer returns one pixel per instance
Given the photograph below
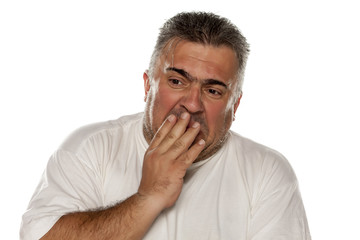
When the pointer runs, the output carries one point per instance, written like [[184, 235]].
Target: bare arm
[[129, 219], [165, 165]]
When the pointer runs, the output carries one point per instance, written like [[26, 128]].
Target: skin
[[165, 164], [197, 79], [187, 115]]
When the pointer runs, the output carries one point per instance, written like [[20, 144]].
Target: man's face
[[196, 78]]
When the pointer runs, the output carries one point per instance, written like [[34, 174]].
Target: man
[[176, 171]]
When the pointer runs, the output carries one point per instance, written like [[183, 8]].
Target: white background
[[64, 64]]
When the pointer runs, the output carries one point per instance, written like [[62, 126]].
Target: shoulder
[[261, 160], [251, 148], [98, 131], [277, 211]]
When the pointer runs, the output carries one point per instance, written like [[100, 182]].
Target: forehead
[[201, 61]]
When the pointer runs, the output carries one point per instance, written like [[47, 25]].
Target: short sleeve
[[68, 184], [277, 211]]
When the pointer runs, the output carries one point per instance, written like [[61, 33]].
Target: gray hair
[[204, 28]]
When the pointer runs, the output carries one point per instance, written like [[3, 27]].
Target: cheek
[[215, 115], [164, 101]]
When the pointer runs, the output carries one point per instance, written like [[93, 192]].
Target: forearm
[[169, 155], [129, 219]]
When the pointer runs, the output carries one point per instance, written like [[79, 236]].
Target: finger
[[183, 143], [164, 129], [188, 157], [175, 133]]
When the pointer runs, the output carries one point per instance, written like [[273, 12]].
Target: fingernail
[[195, 125], [201, 142], [171, 118], [184, 115]]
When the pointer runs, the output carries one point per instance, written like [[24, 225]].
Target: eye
[[214, 93], [176, 83]]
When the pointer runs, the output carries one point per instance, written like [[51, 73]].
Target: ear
[[146, 84], [236, 104]]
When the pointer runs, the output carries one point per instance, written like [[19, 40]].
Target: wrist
[[153, 202]]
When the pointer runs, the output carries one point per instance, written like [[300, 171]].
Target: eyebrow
[[187, 75]]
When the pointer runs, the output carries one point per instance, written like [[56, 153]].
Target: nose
[[192, 101]]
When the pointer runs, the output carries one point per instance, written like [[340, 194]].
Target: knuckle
[[152, 154], [179, 144], [158, 135], [188, 157], [171, 136]]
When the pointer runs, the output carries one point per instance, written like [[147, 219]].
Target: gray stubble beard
[[149, 133]]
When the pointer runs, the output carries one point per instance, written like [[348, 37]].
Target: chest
[[122, 174], [213, 204]]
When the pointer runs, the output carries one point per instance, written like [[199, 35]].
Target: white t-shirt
[[245, 191]]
